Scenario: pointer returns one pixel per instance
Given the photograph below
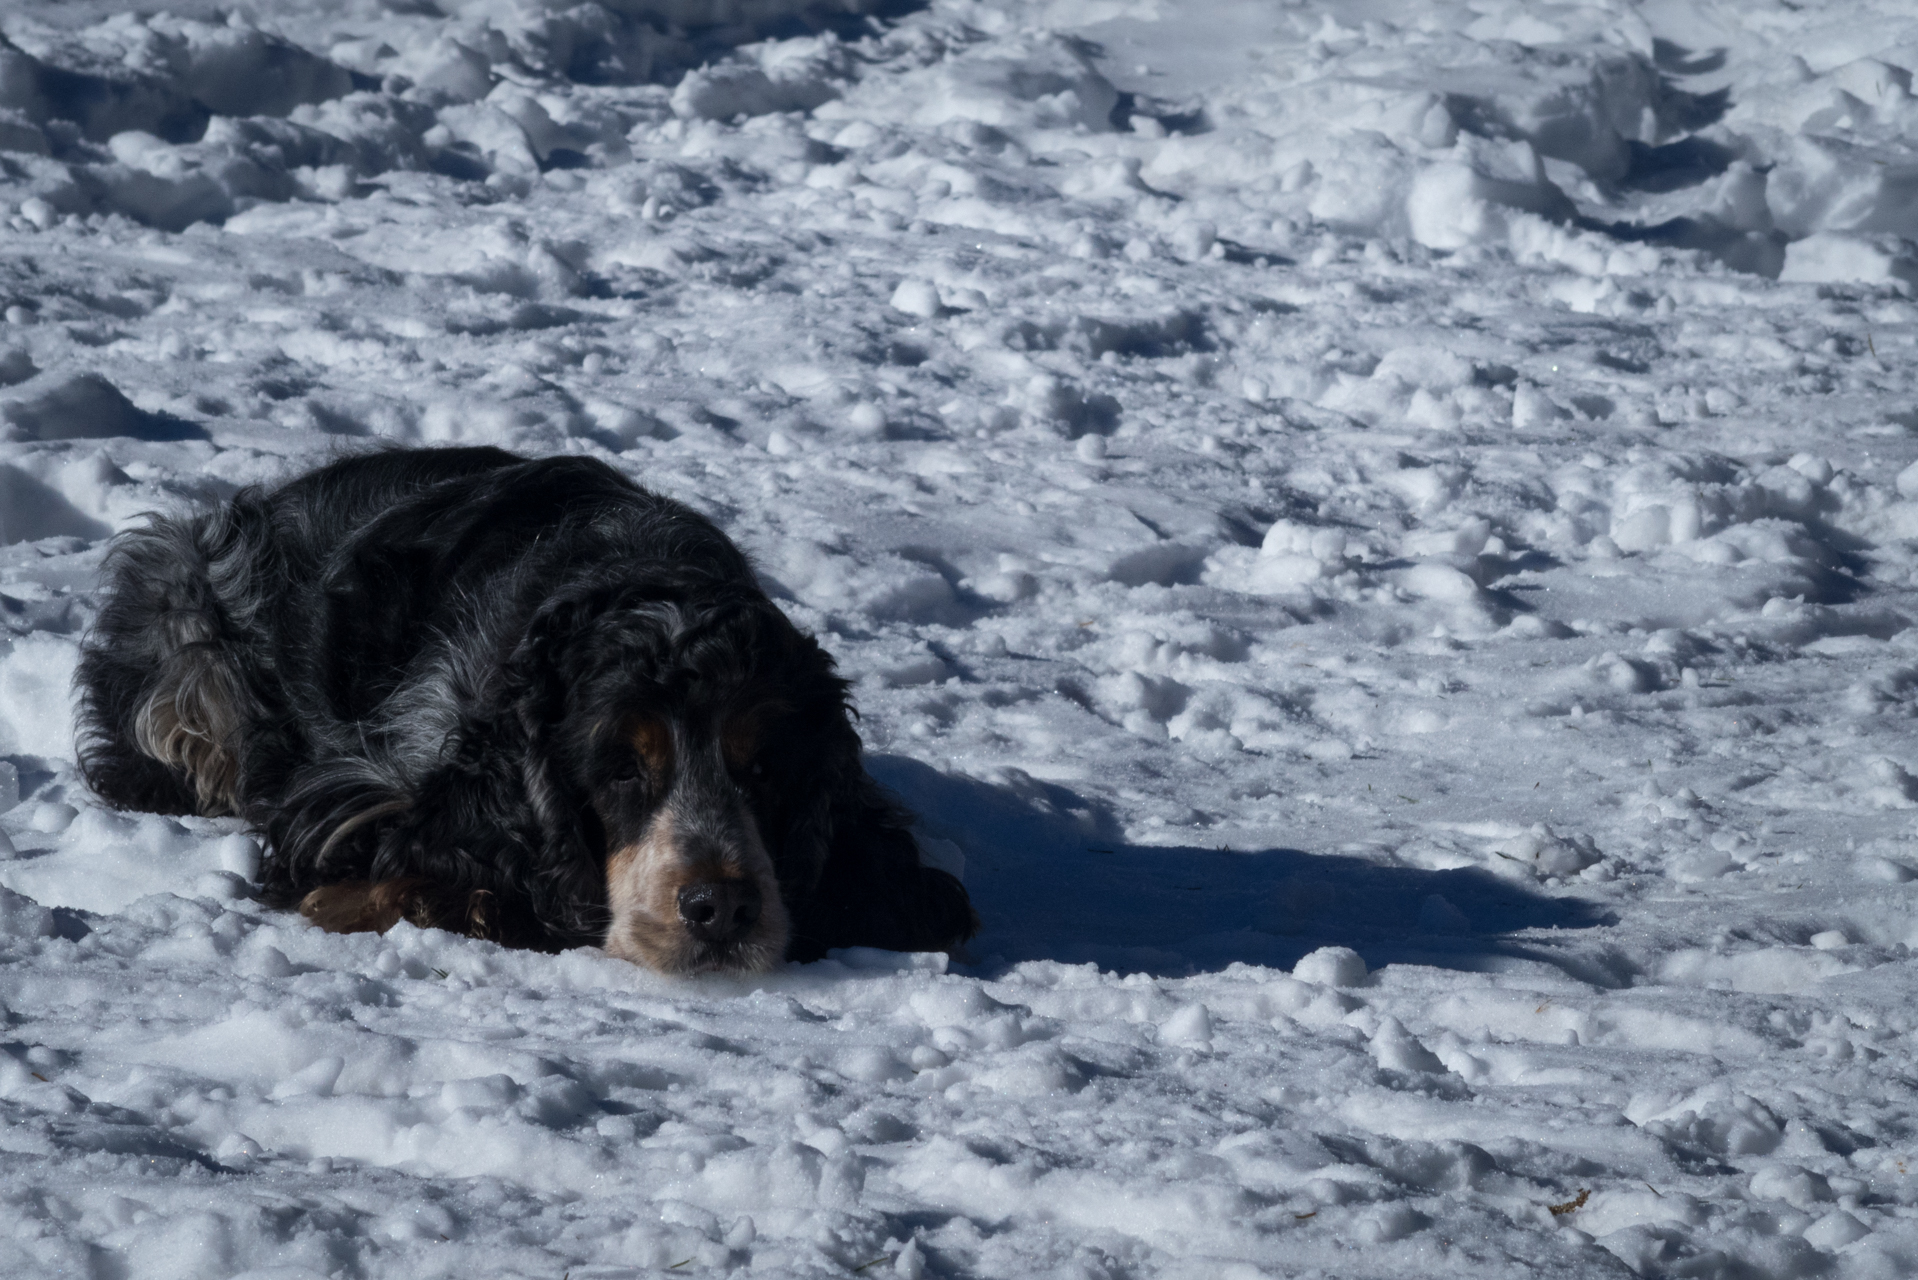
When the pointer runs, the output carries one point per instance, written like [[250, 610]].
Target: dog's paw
[[364, 906], [353, 906]]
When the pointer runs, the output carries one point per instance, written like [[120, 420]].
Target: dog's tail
[[160, 695]]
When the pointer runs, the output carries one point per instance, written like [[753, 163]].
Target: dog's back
[[161, 682]]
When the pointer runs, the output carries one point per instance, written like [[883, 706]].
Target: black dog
[[524, 700]]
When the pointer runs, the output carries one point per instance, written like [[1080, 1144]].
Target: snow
[[1242, 452]]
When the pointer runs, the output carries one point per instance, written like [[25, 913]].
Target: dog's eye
[[627, 769]]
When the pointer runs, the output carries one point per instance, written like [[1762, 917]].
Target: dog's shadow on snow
[[1052, 881]]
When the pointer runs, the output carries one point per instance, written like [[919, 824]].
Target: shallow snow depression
[[1383, 538]]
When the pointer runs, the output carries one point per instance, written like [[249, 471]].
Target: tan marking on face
[[653, 742], [643, 881]]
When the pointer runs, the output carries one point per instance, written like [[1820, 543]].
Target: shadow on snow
[[1053, 881]]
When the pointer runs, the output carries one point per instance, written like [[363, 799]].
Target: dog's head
[[695, 752], [689, 880]]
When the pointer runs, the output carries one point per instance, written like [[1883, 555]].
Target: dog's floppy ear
[[872, 890], [530, 702], [505, 783], [809, 758], [472, 826], [843, 848]]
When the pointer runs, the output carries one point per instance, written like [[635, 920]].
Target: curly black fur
[[427, 666]]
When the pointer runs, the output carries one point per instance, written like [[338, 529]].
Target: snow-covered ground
[[1381, 532]]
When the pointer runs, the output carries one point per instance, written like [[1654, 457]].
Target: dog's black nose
[[719, 910]]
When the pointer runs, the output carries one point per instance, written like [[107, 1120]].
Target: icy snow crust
[[1381, 538]]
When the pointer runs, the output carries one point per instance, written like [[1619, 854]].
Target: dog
[[524, 700]]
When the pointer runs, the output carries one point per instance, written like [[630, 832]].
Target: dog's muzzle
[[697, 892]]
